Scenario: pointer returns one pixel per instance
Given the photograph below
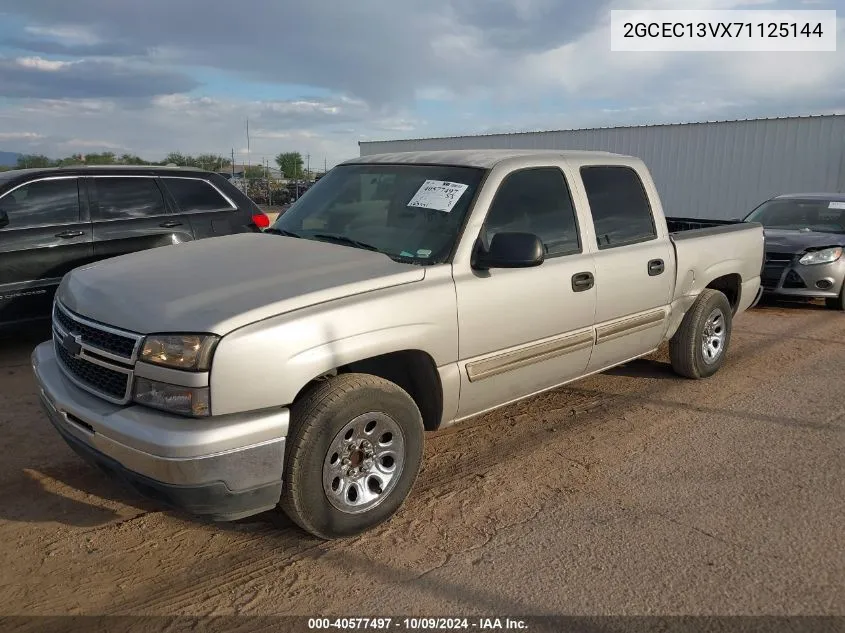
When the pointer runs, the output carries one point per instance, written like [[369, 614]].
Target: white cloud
[[20, 136], [70, 34], [39, 63], [91, 144]]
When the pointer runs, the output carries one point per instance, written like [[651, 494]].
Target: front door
[[46, 236], [524, 330]]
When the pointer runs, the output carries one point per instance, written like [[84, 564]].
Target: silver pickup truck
[[300, 368]]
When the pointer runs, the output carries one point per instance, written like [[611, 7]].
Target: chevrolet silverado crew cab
[[300, 368], [55, 219]]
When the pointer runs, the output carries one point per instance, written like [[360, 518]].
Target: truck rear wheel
[[698, 348], [353, 453]]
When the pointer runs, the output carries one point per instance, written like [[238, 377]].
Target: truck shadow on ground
[[774, 303], [78, 495], [17, 344], [644, 368]]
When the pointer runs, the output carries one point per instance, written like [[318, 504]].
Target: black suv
[[53, 220]]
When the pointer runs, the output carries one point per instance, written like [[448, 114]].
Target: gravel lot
[[632, 492]]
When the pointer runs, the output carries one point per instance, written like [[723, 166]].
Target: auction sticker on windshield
[[438, 195]]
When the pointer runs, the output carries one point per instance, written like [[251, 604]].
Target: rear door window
[[123, 198], [193, 194], [619, 206], [42, 203]]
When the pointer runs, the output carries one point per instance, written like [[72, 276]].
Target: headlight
[[191, 401], [826, 256], [180, 351]]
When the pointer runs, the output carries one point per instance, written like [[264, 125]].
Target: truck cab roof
[[480, 158]]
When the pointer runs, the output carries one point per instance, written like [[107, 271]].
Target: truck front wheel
[[353, 453], [698, 348]]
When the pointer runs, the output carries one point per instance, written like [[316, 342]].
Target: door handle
[[582, 282], [170, 224], [655, 267], [68, 234]]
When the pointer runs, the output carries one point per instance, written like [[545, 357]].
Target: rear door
[[48, 235], [633, 258], [130, 214], [208, 210]]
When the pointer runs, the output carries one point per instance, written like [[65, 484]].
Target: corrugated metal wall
[[717, 170]]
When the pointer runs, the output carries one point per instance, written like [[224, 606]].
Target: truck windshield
[[812, 214], [409, 212]]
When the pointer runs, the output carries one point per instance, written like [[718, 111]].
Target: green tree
[[26, 161], [75, 159], [290, 163], [103, 158], [253, 172], [176, 158], [132, 159], [212, 162]]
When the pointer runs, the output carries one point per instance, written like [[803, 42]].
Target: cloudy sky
[[318, 76]]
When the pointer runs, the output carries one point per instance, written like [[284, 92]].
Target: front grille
[[793, 280], [95, 337], [773, 268], [95, 377]]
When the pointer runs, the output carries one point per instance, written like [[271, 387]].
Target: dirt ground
[[632, 492]]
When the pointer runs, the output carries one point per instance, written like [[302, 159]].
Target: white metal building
[[718, 170]]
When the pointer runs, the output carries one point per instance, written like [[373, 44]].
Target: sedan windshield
[[411, 213], [819, 215]]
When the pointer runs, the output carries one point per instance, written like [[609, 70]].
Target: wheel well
[[413, 370], [730, 286]]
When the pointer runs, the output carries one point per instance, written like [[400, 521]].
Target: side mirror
[[510, 250], [4, 219]]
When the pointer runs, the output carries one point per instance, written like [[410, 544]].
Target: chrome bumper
[[227, 466]]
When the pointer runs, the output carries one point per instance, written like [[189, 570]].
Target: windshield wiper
[[342, 239], [282, 232]]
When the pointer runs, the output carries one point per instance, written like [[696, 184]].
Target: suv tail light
[[261, 220]]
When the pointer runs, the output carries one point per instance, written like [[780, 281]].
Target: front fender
[[266, 364]]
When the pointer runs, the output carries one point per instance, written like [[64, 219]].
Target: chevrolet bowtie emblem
[[72, 344]]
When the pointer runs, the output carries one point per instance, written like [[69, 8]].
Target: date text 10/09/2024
[[416, 624]]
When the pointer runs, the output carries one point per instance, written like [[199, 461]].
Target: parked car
[[300, 367], [805, 237], [53, 220]]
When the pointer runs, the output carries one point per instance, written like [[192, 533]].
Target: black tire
[[686, 346], [839, 302], [316, 420]]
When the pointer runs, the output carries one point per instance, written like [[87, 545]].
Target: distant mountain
[[9, 159]]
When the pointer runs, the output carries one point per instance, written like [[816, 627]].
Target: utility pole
[[248, 161], [233, 162], [267, 180], [308, 168]]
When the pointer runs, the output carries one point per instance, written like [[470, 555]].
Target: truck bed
[[711, 249], [680, 225]]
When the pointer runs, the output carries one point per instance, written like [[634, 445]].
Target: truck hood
[[216, 285], [795, 242]]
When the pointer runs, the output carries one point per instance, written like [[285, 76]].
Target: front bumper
[[224, 467], [797, 280]]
